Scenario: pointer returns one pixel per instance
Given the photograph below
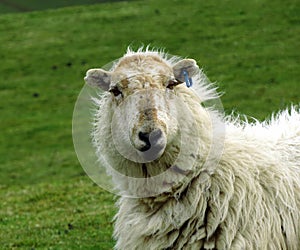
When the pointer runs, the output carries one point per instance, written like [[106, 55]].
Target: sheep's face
[[142, 94]]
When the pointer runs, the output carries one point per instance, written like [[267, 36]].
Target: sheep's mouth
[[152, 153]]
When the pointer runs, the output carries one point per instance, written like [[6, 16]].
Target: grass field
[[249, 48], [7, 6]]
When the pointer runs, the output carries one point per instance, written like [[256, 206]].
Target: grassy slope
[[249, 48], [29, 5], [71, 215]]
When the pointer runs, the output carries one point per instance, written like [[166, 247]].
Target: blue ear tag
[[187, 79]]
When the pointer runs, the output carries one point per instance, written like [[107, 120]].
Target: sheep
[[188, 176]]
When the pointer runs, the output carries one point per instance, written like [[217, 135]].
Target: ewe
[[190, 178]]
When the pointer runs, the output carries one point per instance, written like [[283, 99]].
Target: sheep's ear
[[99, 78], [188, 65]]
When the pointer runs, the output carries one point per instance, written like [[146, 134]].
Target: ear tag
[[187, 79]]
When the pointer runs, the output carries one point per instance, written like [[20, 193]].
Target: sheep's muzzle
[[152, 144]]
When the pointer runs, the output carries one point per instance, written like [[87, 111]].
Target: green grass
[[7, 6], [72, 215], [250, 48]]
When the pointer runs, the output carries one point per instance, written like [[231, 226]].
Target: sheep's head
[[142, 96]]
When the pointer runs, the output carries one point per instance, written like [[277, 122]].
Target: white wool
[[250, 199]]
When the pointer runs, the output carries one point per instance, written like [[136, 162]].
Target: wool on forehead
[[201, 84], [159, 54]]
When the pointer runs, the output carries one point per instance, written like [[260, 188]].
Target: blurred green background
[[249, 48], [7, 6]]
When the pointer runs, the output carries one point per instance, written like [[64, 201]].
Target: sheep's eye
[[173, 83], [115, 91]]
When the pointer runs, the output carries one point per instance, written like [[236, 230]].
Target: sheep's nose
[[151, 139]]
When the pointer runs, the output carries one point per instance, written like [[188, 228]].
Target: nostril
[[155, 136], [145, 138]]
